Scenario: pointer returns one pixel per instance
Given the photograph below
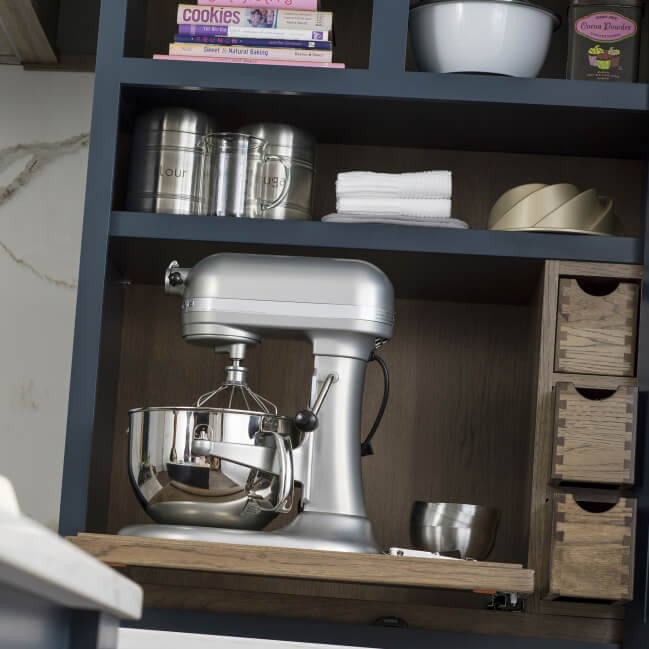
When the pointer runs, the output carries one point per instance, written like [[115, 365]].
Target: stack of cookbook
[[272, 32]]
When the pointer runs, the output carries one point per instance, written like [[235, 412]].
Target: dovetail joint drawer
[[592, 552], [596, 334], [594, 438]]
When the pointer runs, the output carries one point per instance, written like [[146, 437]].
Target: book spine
[[255, 18], [245, 32], [302, 5], [252, 42], [207, 59], [259, 53]]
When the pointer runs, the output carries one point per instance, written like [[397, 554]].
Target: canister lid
[[183, 120], [284, 139]]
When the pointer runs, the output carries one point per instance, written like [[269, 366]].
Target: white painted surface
[[40, 225], [36, 560], [139, 639], [8, 500]]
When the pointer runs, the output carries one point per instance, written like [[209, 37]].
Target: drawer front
[[592, 552], [596, 334], [594, 438]]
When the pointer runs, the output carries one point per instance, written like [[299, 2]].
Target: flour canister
[[168, 162], [297, 149]]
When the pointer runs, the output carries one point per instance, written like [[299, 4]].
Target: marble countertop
[[36, 560]]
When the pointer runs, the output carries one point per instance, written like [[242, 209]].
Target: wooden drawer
[[592, 552], [594, 437], [596, 334]]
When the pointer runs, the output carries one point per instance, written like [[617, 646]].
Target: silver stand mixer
[[345, 309]]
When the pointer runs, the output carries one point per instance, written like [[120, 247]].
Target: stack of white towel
[[421, 198]]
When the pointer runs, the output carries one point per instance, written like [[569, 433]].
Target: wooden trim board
[[307, 564], [594, 269], [540, 506], [26, 32], [354, 611], [594, 381]]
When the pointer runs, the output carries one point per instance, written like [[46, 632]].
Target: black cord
[[366, 446]]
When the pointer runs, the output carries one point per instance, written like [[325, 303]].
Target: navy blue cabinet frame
[[385, 79]]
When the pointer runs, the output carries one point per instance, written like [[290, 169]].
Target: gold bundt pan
[[554, 208]]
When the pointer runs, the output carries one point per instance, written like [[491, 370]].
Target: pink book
[[240, 52], [303, 5], [209, 59]]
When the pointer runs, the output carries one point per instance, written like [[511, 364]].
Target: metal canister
[[604, 39], [168, 161], [297, 149]]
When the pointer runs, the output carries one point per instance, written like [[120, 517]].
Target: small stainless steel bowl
[[453, 528]]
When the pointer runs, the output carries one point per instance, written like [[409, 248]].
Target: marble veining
[[42, 154]]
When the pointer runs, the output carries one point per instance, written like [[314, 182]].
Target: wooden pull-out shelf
[[307, 564]]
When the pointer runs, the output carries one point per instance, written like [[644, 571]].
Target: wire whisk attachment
[[236, 384]]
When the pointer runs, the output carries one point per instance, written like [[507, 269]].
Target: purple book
[[252, 42], [252, 32]]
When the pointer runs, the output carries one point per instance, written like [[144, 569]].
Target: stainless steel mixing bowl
[[178, 488], [453, 528]]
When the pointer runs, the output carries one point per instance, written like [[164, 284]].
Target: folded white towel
[[420, 184], [421, 207], [393, 219]]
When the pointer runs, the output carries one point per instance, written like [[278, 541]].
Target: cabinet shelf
[[422, 263], [590, 95], [392, 238], [318, 565], [457, 111]]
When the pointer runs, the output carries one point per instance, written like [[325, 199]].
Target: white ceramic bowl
[[510, 37]]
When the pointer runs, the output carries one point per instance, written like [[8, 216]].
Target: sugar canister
[[297, 149], [168, 161]]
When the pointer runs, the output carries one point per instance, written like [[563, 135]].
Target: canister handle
[[287, 172]]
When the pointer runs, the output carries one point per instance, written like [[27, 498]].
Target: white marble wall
[[40, 235]]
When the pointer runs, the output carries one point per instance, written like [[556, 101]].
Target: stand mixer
[[345, 308]]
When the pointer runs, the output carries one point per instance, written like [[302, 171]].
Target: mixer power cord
[[366, 446]]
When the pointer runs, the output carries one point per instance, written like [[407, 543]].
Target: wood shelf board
[[353, 611], [307, 564], [447, 115]]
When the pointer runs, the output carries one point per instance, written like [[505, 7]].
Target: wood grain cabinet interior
[[594, 435], [596, 333], [592, 550]]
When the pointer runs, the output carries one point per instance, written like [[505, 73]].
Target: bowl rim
[[204, 409], [524, 3]]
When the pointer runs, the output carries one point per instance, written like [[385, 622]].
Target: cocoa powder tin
[[604, 40]]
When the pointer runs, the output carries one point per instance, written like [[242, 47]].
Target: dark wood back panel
[[479, 178], [456, 428]]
